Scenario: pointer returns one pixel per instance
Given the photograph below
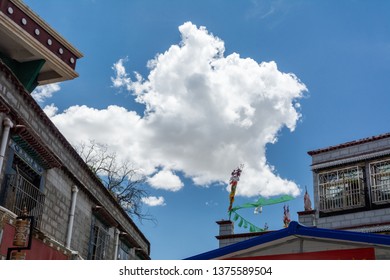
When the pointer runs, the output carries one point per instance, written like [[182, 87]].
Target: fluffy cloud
[[154, 201], [205, 113], [50, 110], [41, 93], [166, 180]]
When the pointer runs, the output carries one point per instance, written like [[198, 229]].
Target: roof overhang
[[26, 38], [295, 233]]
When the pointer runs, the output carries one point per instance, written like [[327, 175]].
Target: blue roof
[[296, 229]]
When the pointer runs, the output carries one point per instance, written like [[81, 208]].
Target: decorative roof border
[[26, 19]]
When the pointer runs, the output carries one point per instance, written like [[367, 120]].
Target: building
[[350, 218], [298, 242], [351, 184], [52, 206]]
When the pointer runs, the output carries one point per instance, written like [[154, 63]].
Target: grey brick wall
[[57, 204], [355, 150], [307, 219], [355, 219]]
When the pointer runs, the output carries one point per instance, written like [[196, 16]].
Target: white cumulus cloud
[[50, 110], [205, 113], [165, 179], [154, 201], [41, 93]]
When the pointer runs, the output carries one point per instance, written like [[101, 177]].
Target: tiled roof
[[349, 144]]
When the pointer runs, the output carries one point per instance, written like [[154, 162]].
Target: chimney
[[226, 228]]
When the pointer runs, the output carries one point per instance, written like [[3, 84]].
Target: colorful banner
[[242, 222], [235, 177]]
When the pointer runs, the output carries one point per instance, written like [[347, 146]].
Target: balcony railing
[[21, 194]]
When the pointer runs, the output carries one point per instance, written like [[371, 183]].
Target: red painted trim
[[224, 222], [310, 212], [348, 254], [242, 235]]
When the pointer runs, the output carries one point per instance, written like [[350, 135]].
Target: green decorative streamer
[[259, 203], [245, 223], [264, 202]]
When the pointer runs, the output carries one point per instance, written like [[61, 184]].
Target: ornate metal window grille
[[20, 194], [99, 240], [341, 189], [380, 182]]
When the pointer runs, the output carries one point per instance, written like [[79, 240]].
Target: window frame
[[124, 250], [341, 189], [380, 171], [99, 240]]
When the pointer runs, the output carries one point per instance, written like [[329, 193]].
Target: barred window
[[341, 189], [99, 240], [123, 250], [380, 182]]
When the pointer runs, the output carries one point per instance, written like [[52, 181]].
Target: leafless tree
[[123, 181]]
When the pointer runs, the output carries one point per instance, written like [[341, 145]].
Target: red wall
[[8, 236], [39, 250], [349, 254]]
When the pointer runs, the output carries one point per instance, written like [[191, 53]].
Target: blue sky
[[261, 83]]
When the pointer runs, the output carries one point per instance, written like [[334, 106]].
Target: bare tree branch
[[123, 181]]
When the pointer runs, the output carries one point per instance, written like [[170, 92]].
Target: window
[[341, 189], [123, 250], [24, 184], [380, 182], [99, 240]]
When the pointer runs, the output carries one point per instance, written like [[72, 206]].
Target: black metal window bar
[[99, 240], [341, 189], [380, 182], [123, 250], [22, 194]]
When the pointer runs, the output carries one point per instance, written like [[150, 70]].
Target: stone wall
[[351, 220]]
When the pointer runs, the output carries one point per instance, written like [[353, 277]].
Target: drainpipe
[[7, 127], [71, 216], [117, 232]]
